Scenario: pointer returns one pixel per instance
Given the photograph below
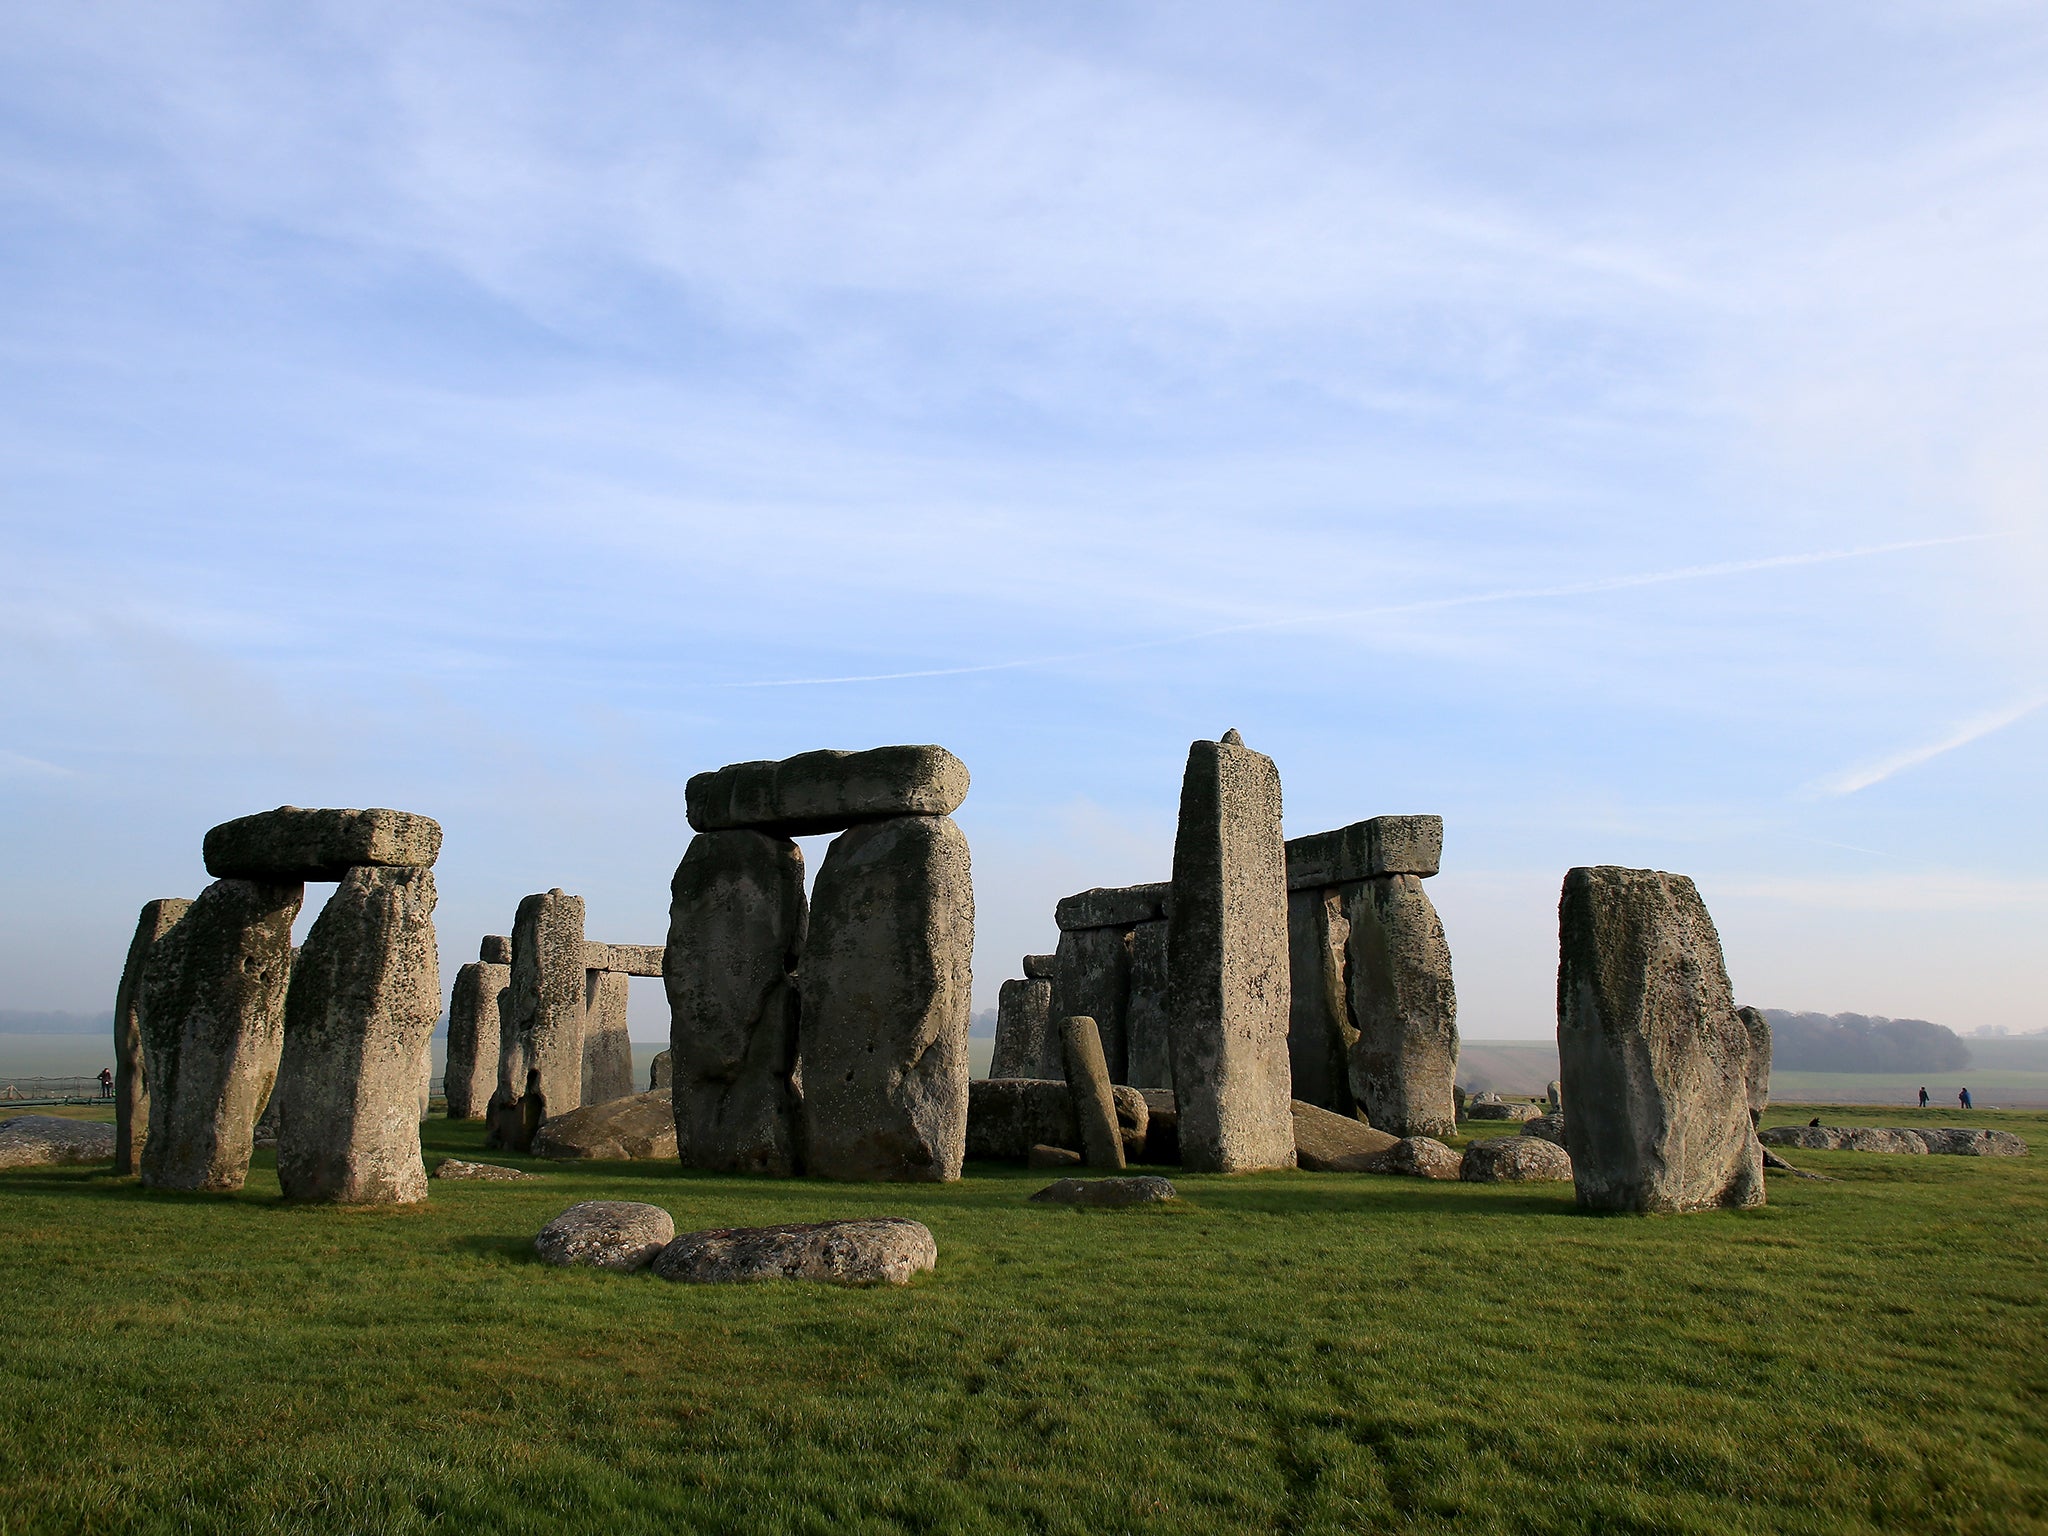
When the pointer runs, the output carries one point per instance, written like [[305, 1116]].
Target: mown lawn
[[1294, 1352]]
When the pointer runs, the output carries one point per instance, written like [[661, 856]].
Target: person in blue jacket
[[1963, 1098]]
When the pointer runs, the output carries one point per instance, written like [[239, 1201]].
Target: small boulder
[[1418, 1157], [1515, 1160], [885, 1250], [606, 1234], [1549, 1128], [1498, 1109], [1131, 1189], [637, 1128], [455, 1168], [1042, 1156], [29, 1141], [1327, 1142]]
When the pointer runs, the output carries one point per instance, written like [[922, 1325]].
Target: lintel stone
[[827, 791], [292, 845], [636, 959], [1383, 845], [1123, 906]]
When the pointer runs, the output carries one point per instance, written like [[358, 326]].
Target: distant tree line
[[1859, 1042]]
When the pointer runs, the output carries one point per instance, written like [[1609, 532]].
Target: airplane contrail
[[1389, 610], [1975, 729]]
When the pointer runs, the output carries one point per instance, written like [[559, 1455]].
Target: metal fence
[[51, 1090]]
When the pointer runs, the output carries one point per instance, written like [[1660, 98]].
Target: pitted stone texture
[[131, 1081], [30, 1141], [1515, 1160], [1024, 1033], [1499, 1109], [636, 959], [1129, 1189], [455, 1168], [1007, 1116], [1113, 906], [1092, 979], [1039, 967], [736, 927], [1811, 1138], [1759, 1076], [1655, 1061], [827, 791], [364, 999], [596, 957], [885, 1250], [1148, 1052], [474, 1024], [637, 1129], [1549, 1127], [212, 1021], [549, 1000], [1088, 1084], [1554, 1096], [607, 1046], [1365, 850], [1326, 1142], [1871, 1138], [496, 949], [1319, 1028], [622, 1235], [1418, 1157], [291, 845], [1404, 1008], [887, 977], [1227, 944], [1961, 1141], [1041, 1156], [661, 1073]]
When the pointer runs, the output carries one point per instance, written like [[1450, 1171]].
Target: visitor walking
[[1963, 1098], [106, 1082], [1923, 1098]]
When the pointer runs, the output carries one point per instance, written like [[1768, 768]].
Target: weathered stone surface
[[1655, 1061], [1148, 1052], [363, 1002], [1418, 1157], [1515, 1160], [1498, 1109], [504, 1125], [1227, 960], [1113, 906], [636, 959], [1404, 1008], [1870, 1138], [29, 1141], [887, 977], [623, 1235], [1006, 1117], [474, 1023], [1024, 1034], [1128, 1189], [596, 957], [496, 949], [212, 1023], [131, 1081], [1813, 1138], [1092, 979], [1039, 967], [661, 1073], [1319, 1028], [1365, 850], [1549, 1127], [1897, 1140], [1758, 1079], [1961, 1141], [291, 845], [549, 1000], [827, 791], [1554, 1096], [637, 1129], [607, 1046], [737, 920], [1088, 1084], [1327, 1142], [1042, 1156], [455, 1168], [884, 1250]]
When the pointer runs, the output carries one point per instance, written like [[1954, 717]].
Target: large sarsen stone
[[827, 791], [131, 1081], [1404, 1007], [884, 1250], [474, 1024], [549, 1000], [1365, 850], [1025, 1042], [292, 845]]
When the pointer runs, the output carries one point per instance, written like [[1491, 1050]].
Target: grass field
[[1291, 1352]]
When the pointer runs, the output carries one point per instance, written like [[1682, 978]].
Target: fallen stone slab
[[456, 1168], [1418, 1157], [1961, 1141], [1042, 1156], [1813, 1138], [883, 1250], [1515, 1160], [635, 1129], [1481, 1110], [1130, 1189], [292, 845], [1776, 1164], [1327, 1142], [1039, 967], [1113, 906], [1365, 850], [622, 1235], [827, 791], [1871, 1138], [29, 1141], [1549, 1127]]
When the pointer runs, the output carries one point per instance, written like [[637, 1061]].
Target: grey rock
[[1951, 1140], [622, 1235], [131, 1080], [661, 1073], [1006, 1117], [887, 978], [1092, 979], [1365, 850], [1418, 1157], [1655, 1061], [1113, 906], [212, 1023], [885, 1250], [1548, 1127], [1128, 1189], [1024, 1035], [641, 1128], [29, 1141], [1039, 967], [1515, 1160], [1404, 1008], [1319, 1028], [1776, 1164], [636, 959], [1088, 1084], [496, 949], [596, 957], [1227, 960], [737, 920], [1812, 1138], [1042, 1156], [607, 1043], [1870, 1138], [1553, 1094], [455, 1168], [1758, 1080], [1327, 1142], [1501, 1110], [828, 791], [1962, 1141], [364, 999], [1148, 1052], [474, 1023], [291, 845], [549, 1001]]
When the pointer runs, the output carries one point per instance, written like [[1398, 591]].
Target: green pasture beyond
[[1297, 1352]]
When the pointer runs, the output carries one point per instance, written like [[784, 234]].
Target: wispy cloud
[[1975, 729], [21, 762]]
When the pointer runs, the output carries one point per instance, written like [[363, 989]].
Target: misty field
[[1299, 1352]]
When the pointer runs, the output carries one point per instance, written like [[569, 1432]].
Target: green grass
[[1293, 1352]]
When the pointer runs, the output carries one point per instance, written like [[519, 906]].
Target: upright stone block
[[607, 1042], [1759, 1079], [131, 1080], [1092, 979], [1404, 1007], [1025, 1042], [549, 997], [887, 977], [736, 928], [1148, 1054], [1040, 967], [1654, 1061], [1227, 961], [496, 949], [363, 1003], [1087, 1076], [1319, 1028], [474, 1026], [212, 1023]]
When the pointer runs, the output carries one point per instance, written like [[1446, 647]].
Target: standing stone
[[212, 1021], [1759, 1080], [1092, 979], [1655, 1062], [363, 1003], [548, 997], [887, 979], [473, 1030], [1227, 962], [1088, 1085], [496, 949], [1319, 1029], [1024, 1033], [607, 1041], [131, 1082], [661, 1071], [1148, 1055], [736, 923], [1403, 1006]]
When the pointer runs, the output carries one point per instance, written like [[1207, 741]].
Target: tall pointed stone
[[1404, 1008], [607, 1041], [474, 1025], [548, 1001], [131, 1081], [1227, 960]]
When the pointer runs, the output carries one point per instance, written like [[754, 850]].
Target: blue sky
[[1623, 430]]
